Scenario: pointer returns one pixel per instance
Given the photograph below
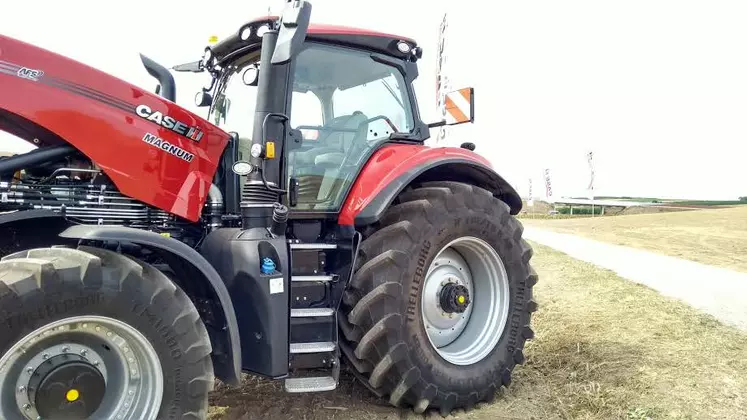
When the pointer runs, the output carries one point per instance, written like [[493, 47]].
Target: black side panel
[[449, 169], [230, 373], [27, 215], [261, 308]]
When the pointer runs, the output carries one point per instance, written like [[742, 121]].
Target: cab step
[[323, 278], [311, 312], [312, 384], [317, 347], [312, 246]]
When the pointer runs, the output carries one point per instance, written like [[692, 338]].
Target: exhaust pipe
[[164, 77]]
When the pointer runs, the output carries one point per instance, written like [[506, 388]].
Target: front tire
[[477, 312], [89, 333]]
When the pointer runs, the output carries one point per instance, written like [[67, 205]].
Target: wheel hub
[[82, 367], [66, 387], [454, 298], [449, 275], [465, 301]]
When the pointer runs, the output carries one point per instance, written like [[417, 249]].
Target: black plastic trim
[[155, 241], [454, 169], [27, 215]]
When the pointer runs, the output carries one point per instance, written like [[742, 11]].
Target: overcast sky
[[657, 89]]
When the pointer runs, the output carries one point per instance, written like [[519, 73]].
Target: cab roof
[[335, 34]]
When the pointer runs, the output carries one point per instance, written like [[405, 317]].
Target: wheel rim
[[58, 371], [465, 301]]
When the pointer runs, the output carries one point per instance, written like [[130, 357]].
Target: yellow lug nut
[[72, 395]]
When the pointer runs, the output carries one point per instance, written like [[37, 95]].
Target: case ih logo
[[30, 74], [191, 132]]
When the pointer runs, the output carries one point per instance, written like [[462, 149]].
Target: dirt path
[[717, 291]]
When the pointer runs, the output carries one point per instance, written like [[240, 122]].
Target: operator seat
[[317, 168]]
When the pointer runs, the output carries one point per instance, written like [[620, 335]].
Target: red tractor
[[147, 251]]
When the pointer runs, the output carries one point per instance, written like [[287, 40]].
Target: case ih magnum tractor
[[147, 251]]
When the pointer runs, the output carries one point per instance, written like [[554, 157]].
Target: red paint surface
[[387, 164], [110, 136], [324, 29]]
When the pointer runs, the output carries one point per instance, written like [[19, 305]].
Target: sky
[[656, 89]]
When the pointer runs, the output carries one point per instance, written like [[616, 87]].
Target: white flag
[[442, 81], [591, 175], [530, 200]]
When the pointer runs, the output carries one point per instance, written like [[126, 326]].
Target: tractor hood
[[152, 149]]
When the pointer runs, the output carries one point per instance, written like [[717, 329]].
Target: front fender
[[228, 371], [394, 167]]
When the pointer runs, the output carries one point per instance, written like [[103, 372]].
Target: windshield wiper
[[394, 94]]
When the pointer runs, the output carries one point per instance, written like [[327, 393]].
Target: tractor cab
[[305, 124]]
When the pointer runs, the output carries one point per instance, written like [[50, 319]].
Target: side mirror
[[250, 77], [293, 27], [459, 108], [194, 67]]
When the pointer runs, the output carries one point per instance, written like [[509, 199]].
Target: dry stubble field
[[605, 348], [715, 237]]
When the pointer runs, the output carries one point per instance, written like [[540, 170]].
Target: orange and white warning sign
[[460, 106]]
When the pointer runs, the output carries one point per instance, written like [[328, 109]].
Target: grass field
[[677, 202], [716, 237], [605, 348]]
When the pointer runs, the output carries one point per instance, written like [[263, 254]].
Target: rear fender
[[228, 364], [392, 168], [27, 229]]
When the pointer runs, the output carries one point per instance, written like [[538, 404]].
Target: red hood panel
[[152, 149]]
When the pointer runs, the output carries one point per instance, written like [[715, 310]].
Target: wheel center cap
[[454, 298], [66, 387]]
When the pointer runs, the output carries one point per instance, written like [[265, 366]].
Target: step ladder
[[314, 364]]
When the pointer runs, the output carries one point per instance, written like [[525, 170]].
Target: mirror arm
[[437, 124]]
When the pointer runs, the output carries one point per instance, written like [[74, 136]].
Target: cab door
[[346, 104]]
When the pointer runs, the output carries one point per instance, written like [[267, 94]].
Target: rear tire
[[50, 301], [383, 322]]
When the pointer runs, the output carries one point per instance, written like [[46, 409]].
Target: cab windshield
[[345, 104], [234, 103]]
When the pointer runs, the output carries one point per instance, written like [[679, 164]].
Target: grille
[[83, 203]]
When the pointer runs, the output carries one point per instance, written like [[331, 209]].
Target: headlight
[[242, 168], [246, 33], [262, 30], [403, 47]]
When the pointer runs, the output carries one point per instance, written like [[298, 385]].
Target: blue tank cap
[[268, 266]]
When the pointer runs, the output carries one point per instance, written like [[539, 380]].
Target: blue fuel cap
[[268, 266]]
